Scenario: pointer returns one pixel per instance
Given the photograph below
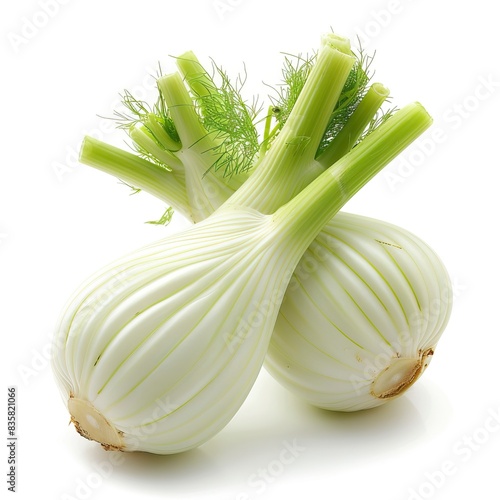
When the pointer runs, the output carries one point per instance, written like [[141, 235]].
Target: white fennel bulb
[[361, 317], [158, 351]]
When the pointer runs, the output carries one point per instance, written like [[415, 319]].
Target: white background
[[59, 221]]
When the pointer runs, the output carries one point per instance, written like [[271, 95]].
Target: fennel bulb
[[311, 363], [158, 351], [361, 317]]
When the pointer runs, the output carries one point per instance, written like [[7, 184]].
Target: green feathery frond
[[295, 72], [154, 121], [165, 219], [378, 119], [229, 118]]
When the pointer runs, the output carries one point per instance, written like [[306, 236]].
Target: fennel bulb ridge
[[361, 317], [169, 354]]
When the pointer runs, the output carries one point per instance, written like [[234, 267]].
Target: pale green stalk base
[[283, 170], [137, 172], [357, 123], [191, 131], [318, 202], [289, 164]]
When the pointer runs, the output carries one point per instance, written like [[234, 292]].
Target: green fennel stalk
[[305, 128]]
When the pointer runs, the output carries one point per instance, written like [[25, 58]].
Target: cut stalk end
[[92, 425], [400, 375], [336, 42]]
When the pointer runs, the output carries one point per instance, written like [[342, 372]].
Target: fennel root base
[[400, 375], [92, 425]]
